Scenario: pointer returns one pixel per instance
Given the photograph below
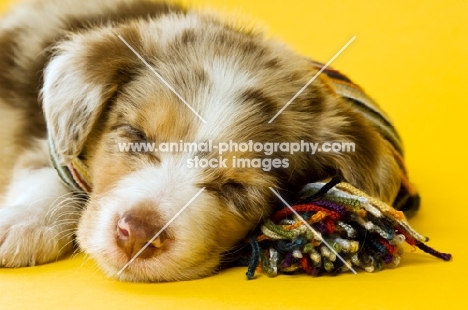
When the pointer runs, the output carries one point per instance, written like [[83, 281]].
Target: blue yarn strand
[[255, 259]]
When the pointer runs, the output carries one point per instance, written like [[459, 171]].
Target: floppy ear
[[83, 75]]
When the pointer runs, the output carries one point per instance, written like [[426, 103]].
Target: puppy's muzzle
[[134, 232]]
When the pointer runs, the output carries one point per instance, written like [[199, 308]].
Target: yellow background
[[411, 57]]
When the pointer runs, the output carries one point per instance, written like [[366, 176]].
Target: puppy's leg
[[39, 214]]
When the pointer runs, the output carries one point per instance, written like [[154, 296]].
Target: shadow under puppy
[[78, 70]]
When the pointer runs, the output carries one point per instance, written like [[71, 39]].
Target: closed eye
[[232, 188], [236, 194], [133, 133]]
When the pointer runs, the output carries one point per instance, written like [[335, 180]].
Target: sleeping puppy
[[80, 78]]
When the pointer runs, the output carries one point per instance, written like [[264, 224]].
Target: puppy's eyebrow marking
[[160, 231], [313, 230], [162, 79], [312, 79]]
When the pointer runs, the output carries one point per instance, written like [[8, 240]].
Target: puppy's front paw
[[32, 238]]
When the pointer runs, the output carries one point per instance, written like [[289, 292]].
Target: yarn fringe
[[341, 228]]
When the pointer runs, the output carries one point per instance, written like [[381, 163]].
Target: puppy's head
[[99, 95]]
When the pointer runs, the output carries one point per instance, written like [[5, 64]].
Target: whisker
[[64, 222], [62, 232], [60, 250]]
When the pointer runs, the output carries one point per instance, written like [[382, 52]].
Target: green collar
[[74, 174]]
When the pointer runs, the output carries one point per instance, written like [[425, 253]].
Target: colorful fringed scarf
[[340, 228]]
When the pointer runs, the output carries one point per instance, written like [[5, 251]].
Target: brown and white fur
[[63, 59]]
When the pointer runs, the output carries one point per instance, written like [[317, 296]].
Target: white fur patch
[[37, 225]]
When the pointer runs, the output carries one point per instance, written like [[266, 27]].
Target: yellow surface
[[411, 57]]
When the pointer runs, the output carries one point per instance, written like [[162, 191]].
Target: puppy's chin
[[190, 247]]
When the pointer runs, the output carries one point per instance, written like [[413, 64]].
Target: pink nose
[[134, 233]]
